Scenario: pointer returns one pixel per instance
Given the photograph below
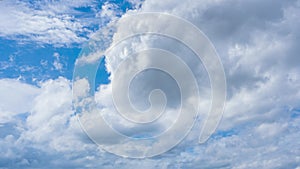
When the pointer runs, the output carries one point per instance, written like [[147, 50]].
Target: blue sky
[[257, 42]]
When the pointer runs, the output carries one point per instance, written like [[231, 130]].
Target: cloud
[[59, 23], [49, 131], [15, 98], [42, 26], [258, 51], [260, 126], [56, 22], [57, 64]]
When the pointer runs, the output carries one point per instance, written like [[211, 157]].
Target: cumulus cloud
[[257, 49], [15, 98], [41, 122]]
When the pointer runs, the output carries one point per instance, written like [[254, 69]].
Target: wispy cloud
[[55, 22]]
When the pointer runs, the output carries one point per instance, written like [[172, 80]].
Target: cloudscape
[[234, 103]]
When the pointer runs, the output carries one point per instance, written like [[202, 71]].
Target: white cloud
[[259, 55], [81, 88], [15, 98], [57, 64], [52, 23], [270, 129], [50, 127], [260, 127]]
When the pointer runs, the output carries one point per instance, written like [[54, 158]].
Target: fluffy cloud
[[42, 122], [15, 98], [259, 55]]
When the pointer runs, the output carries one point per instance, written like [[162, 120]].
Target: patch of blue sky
[[223, 133], [34, 62], [102, 76], [295, 113], [123, 5], [140, 136]]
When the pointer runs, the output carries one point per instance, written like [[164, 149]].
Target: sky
[[42, 42]]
